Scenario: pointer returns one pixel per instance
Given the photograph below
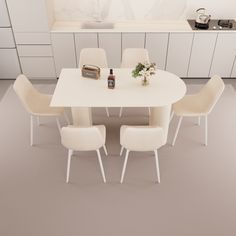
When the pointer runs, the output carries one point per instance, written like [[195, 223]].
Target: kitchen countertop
[[130, 26]]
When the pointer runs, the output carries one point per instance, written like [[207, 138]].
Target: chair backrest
[[211, 92], [82, 138], [141, 138], [26, 92], [132, 56], [93, 56]]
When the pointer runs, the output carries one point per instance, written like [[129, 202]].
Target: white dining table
[[81, 94]]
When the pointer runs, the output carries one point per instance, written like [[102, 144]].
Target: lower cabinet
[[111, 42], [202, 53], [64, 51], [233, 74], [85, 40], [9, 64], [133, 40], [179, 50], [224, 56], [37, 61], [156, 44], [38, 67]]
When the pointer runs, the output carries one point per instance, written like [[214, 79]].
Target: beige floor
[[196, 195]]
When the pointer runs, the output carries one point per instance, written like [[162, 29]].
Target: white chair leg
[[107, 111], [177, 130], [157, 166], [199, 121], [58, 124], [101, 166], [31, 130], [38, 120], [124, 166], [121, 110], [105, 150], [66, 118], [206, 131], [121, 150], [171, 116], [70, 153], [149, 111]]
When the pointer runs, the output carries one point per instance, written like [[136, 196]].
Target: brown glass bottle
[[111, 80]]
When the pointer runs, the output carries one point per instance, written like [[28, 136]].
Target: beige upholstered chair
[[130, 58], [94, 56], [199, 104], [84, 139], [142, 139], [36, 103]]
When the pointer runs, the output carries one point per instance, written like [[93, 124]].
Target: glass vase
[[145, 81]]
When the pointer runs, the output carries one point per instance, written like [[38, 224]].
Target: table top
[[73, 90]]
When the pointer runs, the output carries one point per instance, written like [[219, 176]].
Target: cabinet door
[[133, 40], [28, 15], [64, 51], [85, 40], [4, 18], [179, 51], [6, 38], [38, 67], [224, 55], [111, 42], [202, 53], [32, 38], [9, 67], [156, 44], [233, 74]]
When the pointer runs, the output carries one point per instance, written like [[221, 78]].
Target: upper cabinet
[[202, 53], [4, 18], [224, 56], [156, 44], [31, 15], [179, 50]]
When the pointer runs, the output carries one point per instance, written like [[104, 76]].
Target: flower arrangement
[[144, 69]]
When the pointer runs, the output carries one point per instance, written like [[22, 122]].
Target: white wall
[[141, 9]]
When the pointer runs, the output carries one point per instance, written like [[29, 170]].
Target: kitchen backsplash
[[140, 9]]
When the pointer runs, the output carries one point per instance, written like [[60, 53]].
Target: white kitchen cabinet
[[156, 44], [4, 18], [233, 73], [111, 42], [9, 64], [202, 54], [6, 38], [179, 51], [85, 40], [64, 51], [224, 55], [32, 38], [133, 40], [30, 15], [38, 67], [35, 50]]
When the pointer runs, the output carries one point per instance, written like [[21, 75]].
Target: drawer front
[[35, 50], [38, 67], [9, 67], [6, 38], [32, 38]]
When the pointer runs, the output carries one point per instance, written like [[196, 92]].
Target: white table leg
[[82, 116], [160, 116]]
